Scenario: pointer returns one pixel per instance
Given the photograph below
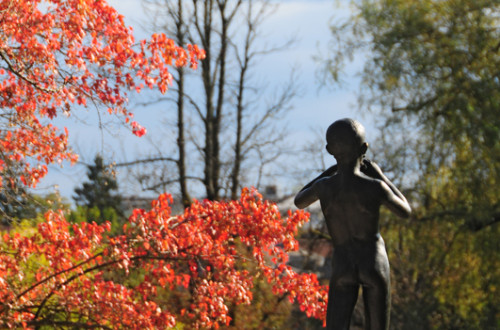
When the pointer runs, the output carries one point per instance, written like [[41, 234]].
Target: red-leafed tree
[[55, 55], [57, 276]]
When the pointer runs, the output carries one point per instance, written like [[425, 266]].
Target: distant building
[[271, 193], [129, 203], [314, 255]]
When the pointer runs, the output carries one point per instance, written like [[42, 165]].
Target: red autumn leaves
[[58, 55], [66, 267]]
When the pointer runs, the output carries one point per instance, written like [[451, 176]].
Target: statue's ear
[[364, 148]]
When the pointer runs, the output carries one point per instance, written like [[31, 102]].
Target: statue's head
[[346, 138]]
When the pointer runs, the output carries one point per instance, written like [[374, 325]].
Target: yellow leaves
[[461, 281], [436, 262], [391, 82]]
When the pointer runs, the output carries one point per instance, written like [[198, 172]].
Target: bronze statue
[[351, 194]]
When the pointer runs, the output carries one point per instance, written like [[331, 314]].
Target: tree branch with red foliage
[[58, 55], [195, 251]]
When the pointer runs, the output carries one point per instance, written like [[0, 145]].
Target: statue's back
[[351, 207]]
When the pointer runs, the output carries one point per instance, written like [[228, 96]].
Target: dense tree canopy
[[436, 63], [432, 75]]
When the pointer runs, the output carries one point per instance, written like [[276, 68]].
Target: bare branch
[[146, 160], [20, 74]]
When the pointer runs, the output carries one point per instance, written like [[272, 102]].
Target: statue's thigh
[[341, 302]]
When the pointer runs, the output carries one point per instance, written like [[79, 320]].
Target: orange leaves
[[194, 53], [137, 129], [202, 241], [62, 267], [57, 54]]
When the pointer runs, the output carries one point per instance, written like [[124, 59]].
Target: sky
[[313, 110]]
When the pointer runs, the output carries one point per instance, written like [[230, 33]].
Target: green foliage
[[432, 76], [99, 190], [18, 204], [86, 214], [437, 62], [443, 277], [13, 202]]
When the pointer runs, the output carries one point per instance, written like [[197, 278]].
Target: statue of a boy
[[351, 194]]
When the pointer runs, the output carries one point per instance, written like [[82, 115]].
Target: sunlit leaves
[[60, 268], [432, 74], [435, 61], [56, 55]]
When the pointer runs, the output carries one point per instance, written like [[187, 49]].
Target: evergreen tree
[[13, 200], [98, 197], [16, 202]]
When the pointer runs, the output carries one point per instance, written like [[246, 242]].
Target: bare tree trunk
[[226, 95], [181, 163], [205, 34], [243, 143], [220, 98], [235, 175], [214, 112]]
